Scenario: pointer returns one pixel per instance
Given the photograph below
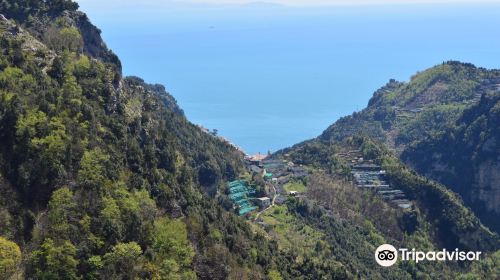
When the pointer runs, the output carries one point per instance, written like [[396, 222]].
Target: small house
[[263, 202]]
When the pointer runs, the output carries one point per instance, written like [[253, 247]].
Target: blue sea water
[[268, 77]]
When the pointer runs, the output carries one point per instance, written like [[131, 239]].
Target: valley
[[103, 177]]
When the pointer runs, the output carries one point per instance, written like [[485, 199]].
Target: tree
[[173, 251], [110, 220], [62, 209], [64, 39], [52, 147], [123, 262], [30, 124], [10, 258], [54, 261], [274, 275], [95, 265], [92, 173]]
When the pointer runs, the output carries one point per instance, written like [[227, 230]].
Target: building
[[263, 202], [255, 169], [256, 159], [293, 193]]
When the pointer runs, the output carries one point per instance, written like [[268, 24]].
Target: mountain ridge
[[406, 115], [105, 175], [105, 178]]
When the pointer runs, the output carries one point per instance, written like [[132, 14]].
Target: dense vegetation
[[344, 213], [103, 178], [427, 103], [468, 153], [48, 21], [444, 123], [440, 121]]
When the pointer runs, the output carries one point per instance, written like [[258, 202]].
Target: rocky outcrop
[[39, 17], [466, 158], [486, 187], [94, 45]]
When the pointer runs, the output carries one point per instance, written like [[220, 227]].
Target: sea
[[269, 76]]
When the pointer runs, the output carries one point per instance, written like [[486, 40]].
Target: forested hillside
[[466, 157], [452, 100], [103, 177], [444, 124]]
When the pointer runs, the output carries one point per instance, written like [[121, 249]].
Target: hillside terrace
[[370, 176]]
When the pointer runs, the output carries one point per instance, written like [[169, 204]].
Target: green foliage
[[64, 39], [31, 124], [408, 112], [123, 262], [71, 39], [61, 210], [456, 226], [274, 275], [486, 268], [466, 149], [438, 218], [10, 258], [23, 9], [133, 109], [111, 223], [295, 186], [54, 261], [173, 254], [92, 173], [95, 265], [104, 168], [94, 165], [430, 123]]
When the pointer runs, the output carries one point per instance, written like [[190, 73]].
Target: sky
[[343, 2], [270, 76], [162, 3]]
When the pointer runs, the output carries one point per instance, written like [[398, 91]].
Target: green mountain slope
[[409, 123], [103, 177], [465, 156], [410, 117], [399, 114]]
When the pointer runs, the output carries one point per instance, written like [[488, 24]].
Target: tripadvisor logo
[[386, 255]]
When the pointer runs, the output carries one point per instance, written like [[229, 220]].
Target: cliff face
[[466, 156], [103, 177], [487, 184], [94, 45], [38, 17]]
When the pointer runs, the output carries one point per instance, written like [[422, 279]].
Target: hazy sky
[[342, 2], [157, 3]]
